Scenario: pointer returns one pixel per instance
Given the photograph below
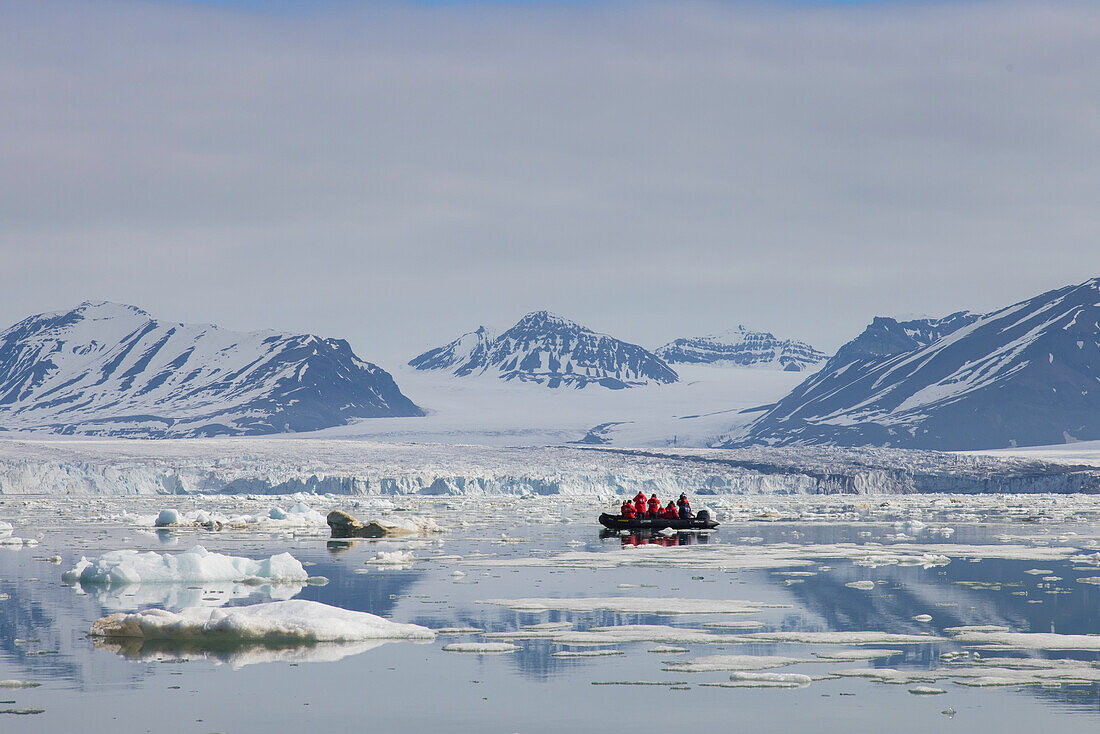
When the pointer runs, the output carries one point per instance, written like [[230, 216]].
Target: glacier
[[265, 466]]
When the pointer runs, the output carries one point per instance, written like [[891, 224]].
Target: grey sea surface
[[734, 630]]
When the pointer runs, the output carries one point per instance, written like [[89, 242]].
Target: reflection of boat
[[701, 521], [650, 537]]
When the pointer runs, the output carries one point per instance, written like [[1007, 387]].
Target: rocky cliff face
[[743, 347]]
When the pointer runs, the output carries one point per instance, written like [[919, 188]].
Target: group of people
[[650, 509]]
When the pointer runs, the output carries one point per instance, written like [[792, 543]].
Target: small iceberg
[[291, 621], [197, 565]]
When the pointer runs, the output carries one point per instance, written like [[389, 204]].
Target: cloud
[[396, 173]]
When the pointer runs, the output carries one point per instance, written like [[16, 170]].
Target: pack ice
[[193, 566]]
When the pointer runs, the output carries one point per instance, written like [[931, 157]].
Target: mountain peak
[[545, 318], [1024, 375], [107, 368], [743, 347], [108, 310], [547, 349]]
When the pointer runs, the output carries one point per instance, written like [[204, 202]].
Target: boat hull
[[617, 522]]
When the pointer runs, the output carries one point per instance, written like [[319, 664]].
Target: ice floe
[[196, 565], [1029, 640], [293, 620], [713, 663], [481, 647], [633, 605], [864, 654], [764, 680]]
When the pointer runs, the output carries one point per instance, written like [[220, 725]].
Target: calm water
[[404, 686]]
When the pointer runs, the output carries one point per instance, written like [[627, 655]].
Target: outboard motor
[[703, 516]]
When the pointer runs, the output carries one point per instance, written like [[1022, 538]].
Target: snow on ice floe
[[861, 585], [864, 654], [634, 605], [297, 516], [492, 648], [1029, 640], [393, 558], [764, 680], [842, 638], [889, 675], [716, 663], [18, 684], [295, 620], [926, 691], [197, 565]]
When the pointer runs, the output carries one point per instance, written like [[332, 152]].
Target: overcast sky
[[399, 173]]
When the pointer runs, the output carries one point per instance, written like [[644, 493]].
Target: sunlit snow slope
[[111, 369], [1028, 374]]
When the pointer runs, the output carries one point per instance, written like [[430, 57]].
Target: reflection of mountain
[[948, 594], [375, 592], [39, 623]]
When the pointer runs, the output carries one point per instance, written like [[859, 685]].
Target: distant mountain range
[[1028, 374], [549, 350], [743, 347], [110, 369]]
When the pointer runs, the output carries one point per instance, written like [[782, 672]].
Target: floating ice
[[842, 638], [1030, 640], [393, 558], [888, 675], [865, 654], [861, 585], [287, 621], [634, 605], [926, 691], [197, 565], [922, 618], [712, 663], [584, 653], [481, 647], [18, 684], [764, 680]]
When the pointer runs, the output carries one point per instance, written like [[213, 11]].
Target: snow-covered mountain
[[111, 369], [465, 355], [743, 347], [885, 336], [1026, 375], [552, 351]]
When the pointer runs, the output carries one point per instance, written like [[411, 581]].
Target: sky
[[398, 173]]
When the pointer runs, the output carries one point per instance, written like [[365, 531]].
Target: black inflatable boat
[[701, 521]]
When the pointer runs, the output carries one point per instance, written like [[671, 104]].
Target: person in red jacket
[[671, 513], [654, 507], [639, 504], [627, 510]]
